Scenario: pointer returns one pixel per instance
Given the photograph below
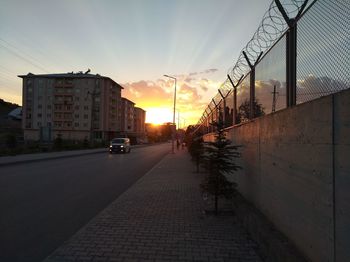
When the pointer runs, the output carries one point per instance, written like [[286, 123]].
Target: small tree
[[58, 142], [11, 140], [196, 150], [244, 110], [219, 158]]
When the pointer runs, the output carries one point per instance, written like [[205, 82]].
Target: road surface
[[43, 203]]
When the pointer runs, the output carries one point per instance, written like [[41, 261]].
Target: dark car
[[120, 145]]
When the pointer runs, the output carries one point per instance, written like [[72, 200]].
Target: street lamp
[[173, 133]]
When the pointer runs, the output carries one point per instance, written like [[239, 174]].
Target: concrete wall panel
[[342, 171], [291, 159]]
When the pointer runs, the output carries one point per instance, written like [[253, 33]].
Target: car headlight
[[121, 146], [110, 146]]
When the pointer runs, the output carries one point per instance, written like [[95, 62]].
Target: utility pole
[[174, 123], [274, 99]]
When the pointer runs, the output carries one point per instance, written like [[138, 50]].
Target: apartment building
[[74, 106], [139, 124], [127, 116], [139, 120]]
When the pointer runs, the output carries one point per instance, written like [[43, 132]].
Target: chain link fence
[[323, 50], [320, 48]]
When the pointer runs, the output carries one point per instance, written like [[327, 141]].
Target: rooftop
[[79, 74]]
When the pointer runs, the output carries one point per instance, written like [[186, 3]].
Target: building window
[[76, 115], [86, 116], [48, 115], [86, 107], [76, 124], [39, 124], [85, 125], [48, 106], [40, 106], [39, 115], [98, 134], [76, 107]]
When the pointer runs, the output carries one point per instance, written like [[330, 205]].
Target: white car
[[119, 145]]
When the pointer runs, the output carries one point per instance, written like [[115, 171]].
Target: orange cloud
[[193, 93], [160, 94]]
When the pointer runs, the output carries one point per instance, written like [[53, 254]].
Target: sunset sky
[[134, 42]]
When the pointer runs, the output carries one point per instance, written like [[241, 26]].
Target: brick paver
[[160, 218]]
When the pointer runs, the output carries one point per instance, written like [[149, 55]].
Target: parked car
[[119, 145]]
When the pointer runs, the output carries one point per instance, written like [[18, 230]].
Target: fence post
[[224, 111], [234, 114], [291, 53], [252, 83], [291, 67]]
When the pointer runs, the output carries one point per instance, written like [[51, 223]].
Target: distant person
[[177, 144]]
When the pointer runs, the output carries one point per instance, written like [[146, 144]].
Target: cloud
[[204, 88], [189, 93], [160, 92], [192, 74], [323, 84], [209, 71], [146, 92], [189, 79], [194, 92]]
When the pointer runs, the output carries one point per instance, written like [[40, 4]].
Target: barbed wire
[[272, 26]]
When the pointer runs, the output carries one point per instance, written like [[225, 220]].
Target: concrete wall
[[342, 175], [297, 172]]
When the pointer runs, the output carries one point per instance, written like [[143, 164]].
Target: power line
[[24, 53], [56, 64], [23, 58]]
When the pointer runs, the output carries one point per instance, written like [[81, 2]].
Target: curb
[[16, 162], [71, 154]]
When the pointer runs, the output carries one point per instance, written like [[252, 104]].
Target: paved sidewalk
[[160, 218]]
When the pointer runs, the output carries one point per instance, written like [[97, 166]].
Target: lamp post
[[173, 131]]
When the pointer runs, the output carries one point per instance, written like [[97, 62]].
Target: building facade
[[139, 120], [127, 116], [139, 124], [73, 106]]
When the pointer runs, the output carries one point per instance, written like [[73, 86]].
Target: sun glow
[[158, 115]]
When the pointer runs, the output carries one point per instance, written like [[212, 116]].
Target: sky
[[134, 42]]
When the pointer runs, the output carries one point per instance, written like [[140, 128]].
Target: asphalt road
[[43, 203]]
